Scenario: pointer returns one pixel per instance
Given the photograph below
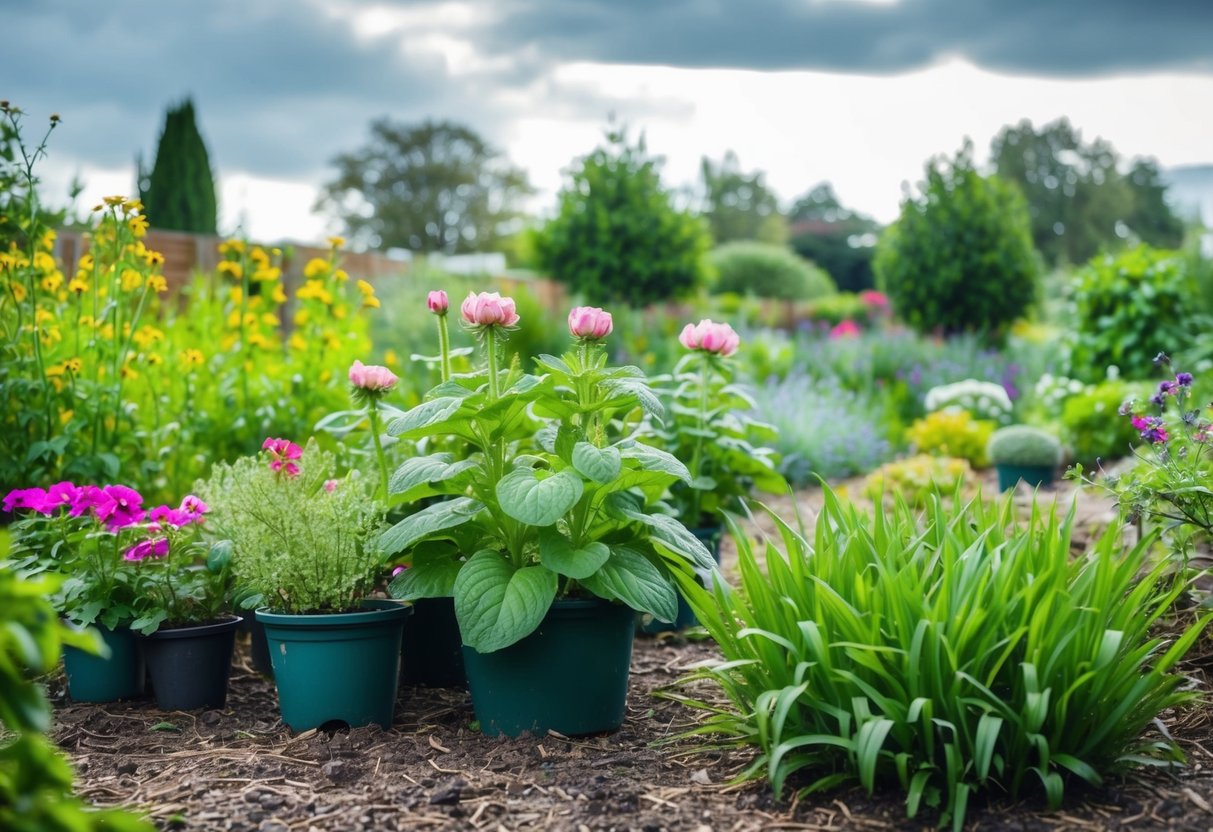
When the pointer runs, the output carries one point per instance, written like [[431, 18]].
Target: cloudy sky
[[858, 92]]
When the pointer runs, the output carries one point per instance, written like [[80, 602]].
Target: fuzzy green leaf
[[538, 502], [498, 605]]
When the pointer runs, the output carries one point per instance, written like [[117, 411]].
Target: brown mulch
[[240, 769]]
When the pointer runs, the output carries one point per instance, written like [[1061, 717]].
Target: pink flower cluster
[[710, 337], [845, 329], [371, 377], [283, 453], [488, 309], [590, 323], [874, 300]]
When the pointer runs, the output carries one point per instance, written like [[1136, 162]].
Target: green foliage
[[1090, 426], [843, 306], [1125, 309], [954, 433], [834, 237], [767, 271], [617, 235], [739, 205], [553, 495], [35, 780], [179, 192], [434, 186], [300, 544], [1080, 202], [960, 256], [945, 655], [1024, 445], [918, 479]]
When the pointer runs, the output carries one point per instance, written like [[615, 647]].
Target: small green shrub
[[767, 271], [917, 479], [952, 433], [1090, 426], [1024, 445], [844, 306], [1125, 309], [943, 654]]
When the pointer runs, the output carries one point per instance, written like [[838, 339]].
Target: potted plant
[[303, 544], [546, 535], [707, 421], [1022, 452], [80, 534]]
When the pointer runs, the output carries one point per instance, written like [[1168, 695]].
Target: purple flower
[[1151, 428], [34, 499], [123, 507], [167, 515], [88, 497], [1183, 379], [1167, 388], [60, 495]]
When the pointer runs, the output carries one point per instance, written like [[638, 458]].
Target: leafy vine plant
[[537, 486]]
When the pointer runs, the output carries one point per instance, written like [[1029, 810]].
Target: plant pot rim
[[195, 630], [375, 609]]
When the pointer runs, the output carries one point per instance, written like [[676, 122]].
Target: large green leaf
[[538, 502], [667, 533], [422, 470], [630, 577], [557, 553], [430, 576], [599, 464], [416, 422], [655, 459], [498, 605], [435, 518]]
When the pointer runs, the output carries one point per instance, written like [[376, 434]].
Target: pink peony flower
[[489, 309], [590, 323], [710, 337], [845, 329], [282, 452], [154, 547], [372, 377], [34, 499], [437, 302], [121, 507]]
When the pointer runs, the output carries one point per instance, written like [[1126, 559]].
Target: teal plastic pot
[[570, 675], [709, 536], [337, 667], [121, 675], [431, 652], [1010, 476], [190, 666]]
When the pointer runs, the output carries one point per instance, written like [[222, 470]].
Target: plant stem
[[702, 424], [373, 413], [444, 347], [490, 343]]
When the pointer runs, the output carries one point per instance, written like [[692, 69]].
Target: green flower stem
[[490, 343], [444, 347], [373, 413], [697, 456]]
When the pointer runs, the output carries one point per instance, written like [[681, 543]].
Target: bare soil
[[241, 769]]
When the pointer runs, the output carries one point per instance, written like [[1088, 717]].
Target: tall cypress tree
[[179, 192]]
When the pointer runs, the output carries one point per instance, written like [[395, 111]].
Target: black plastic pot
[[431, 653], [190, 666]]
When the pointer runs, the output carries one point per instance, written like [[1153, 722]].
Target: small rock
[[448, 794], [271, 801], [211, 718], [333, 768], [273, 825], [128, 768]]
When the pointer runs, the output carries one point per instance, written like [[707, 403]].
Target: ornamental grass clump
[[302, 538], [956, 651]]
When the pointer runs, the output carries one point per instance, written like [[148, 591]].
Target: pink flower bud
[[710, 337], [437, 302], [489, 309], [590, 323], [371, 377]]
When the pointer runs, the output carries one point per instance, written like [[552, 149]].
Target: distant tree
[[959, 258], [837, 239], [178, 193], [431, 187], [618, 236], [739, 205], [1080, 203], [1152, 219]]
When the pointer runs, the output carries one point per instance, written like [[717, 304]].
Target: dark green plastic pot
[[121, 675], [570, 675], [190, 666], [338, 667], [709, 536], [431, 653], [1009, 476]]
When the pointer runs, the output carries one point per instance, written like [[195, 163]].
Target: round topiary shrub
[[767, 271], [1125, 309], [960, 257], [1024, 446]]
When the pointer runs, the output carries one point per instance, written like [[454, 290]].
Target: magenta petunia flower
[[33, 499], [193, 506], [61, 495], [282, 452], [153, 547], [124, 507], [169, 516], [87, 498]]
